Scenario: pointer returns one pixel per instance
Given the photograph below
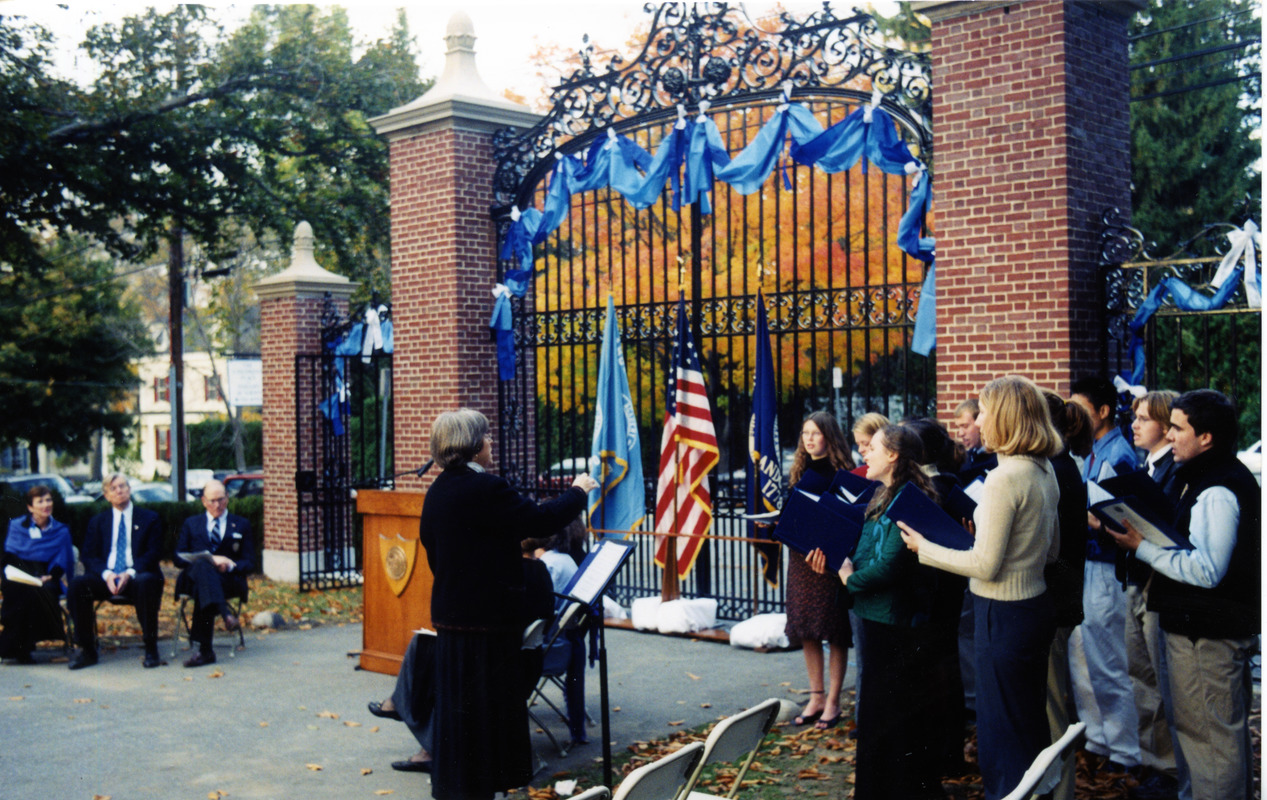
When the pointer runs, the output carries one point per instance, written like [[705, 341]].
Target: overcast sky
[[507, 33]]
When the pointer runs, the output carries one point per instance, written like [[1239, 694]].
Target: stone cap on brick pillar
[[940, 10], [459, 95], [304, 277]]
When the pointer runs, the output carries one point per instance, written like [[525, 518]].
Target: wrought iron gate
[[841, 295], [1219, 349], [343, 442]]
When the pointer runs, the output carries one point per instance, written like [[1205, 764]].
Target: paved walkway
[[294, 699]]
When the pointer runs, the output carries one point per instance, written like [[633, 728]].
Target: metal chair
[[663, 779], [571, 619], [733, 738], [1044, 774], [184, 598]]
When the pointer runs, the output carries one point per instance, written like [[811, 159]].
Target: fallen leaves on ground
[[327, 715], [366, 771], [351, 724], [83, 700], [216, 674], [313, 767]]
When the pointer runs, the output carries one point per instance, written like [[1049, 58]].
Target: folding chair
[[556, 651], [732, 739], [663, 779], [597, 793], [1044, 774], [184, 598]]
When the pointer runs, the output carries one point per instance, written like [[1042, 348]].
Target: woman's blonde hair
[[868, 424], [458, 436], [1017, 421]]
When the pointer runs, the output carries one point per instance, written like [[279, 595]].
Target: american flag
[[688, 450]]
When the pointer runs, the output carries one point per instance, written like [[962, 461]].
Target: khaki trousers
[[1211, 690], [1143, 654]]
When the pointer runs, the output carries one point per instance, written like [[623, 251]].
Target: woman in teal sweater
[[892, 596]]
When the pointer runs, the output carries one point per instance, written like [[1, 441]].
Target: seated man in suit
[[120, 555], [227, 537]]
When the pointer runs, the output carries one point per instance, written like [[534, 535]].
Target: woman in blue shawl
[[38, 547]]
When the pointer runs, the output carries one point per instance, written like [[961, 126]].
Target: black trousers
[[145, 591], [29, 614], [209, 588]]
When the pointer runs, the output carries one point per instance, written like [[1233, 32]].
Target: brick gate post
[[444, 249], [1031, 143], [290, 323]]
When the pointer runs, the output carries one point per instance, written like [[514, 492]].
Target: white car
[[1252, 457], [20, 484]]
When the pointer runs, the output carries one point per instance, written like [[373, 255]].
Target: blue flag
[[619, 502], [765, 472]]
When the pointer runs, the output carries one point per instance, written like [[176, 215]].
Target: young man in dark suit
[[227, 538], [120, 556]]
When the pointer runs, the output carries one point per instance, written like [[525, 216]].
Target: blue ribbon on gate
[[692, 157]]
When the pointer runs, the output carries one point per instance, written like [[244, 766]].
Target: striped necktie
[[121, 546]]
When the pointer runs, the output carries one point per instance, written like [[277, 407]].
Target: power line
[[79, 287]]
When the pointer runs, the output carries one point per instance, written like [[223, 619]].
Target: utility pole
[[176, 377]]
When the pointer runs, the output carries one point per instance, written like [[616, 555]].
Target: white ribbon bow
[[1244, 242], [1123, 387], [916, 168], [500, 290], [681, 118], [373, 338], [876, 97]]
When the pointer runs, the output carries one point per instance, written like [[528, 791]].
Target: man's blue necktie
[[121, 546], [215, 534]]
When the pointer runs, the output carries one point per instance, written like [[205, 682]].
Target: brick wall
[[1031, 142], [288, 325], [443, 272]]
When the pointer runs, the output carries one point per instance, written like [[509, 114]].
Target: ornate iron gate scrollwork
[[838, 290]]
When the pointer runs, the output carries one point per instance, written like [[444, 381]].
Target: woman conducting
[[39, 546], [472, 524], [813, 614], [1016, 526]]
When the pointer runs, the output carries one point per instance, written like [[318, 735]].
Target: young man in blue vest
[[1208, 598]]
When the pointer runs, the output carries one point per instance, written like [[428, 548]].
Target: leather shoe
[[230, 622], [412, 766], [200, 659], [376, 708], [83, 658], [152, 660]]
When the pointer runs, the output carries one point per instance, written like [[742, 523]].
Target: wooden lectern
[[397, 577]]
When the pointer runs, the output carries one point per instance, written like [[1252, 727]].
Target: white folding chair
[[663, 779], [1044, 774], [597, 793], [734, 738]]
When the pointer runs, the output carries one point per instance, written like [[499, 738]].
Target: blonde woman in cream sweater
[[1016, 528]]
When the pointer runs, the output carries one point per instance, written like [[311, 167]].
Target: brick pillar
[[444, 249], [290, 323], [1031, 143]]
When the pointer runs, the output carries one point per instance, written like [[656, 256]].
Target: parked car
[[195, 479], [561, 473], [1252, 457], [20, 484], [244, 484], [156, 493]]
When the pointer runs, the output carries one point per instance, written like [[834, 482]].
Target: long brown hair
[[909, 448], [833, 437]]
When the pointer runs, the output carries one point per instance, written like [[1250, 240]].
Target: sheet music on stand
[[598, 569]]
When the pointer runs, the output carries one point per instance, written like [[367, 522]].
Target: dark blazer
[[147, 542], [235, 541], [472, 523]]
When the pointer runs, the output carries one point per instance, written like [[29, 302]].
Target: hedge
[[171, 515]]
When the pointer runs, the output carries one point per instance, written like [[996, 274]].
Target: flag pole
[[669, 587]]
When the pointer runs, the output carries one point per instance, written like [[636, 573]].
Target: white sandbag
[[613, 610], [687, 616], [763, 630], [643, 613]]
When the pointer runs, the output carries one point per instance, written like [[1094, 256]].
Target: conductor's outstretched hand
[[585, 482]]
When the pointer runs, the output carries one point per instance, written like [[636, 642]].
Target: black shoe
[[83, 658], [152, 660], [376, 708], [412, 766], [200, 659], [23, 658], [1159, 786]]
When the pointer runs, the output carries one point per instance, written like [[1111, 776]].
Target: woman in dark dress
[[813, 614], [40, 546], [472, 524]]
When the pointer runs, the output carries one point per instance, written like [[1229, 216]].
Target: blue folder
[[915, 508], [853, 488], [824, 521]]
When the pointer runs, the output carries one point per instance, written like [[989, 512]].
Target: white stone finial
[[301, 252], [304, 273], [459, 89]]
